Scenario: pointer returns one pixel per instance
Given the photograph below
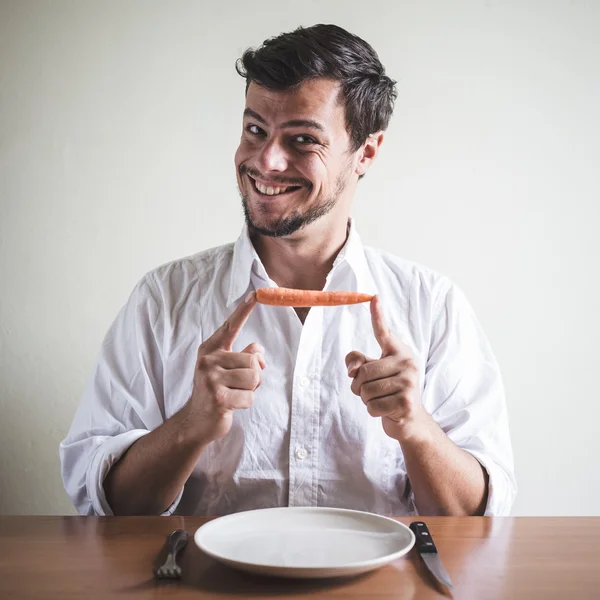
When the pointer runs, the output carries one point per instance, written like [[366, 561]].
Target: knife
[[426, 548]]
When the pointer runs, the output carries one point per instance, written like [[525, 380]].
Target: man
[[205, 402]]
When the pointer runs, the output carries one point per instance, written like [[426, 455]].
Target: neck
[[304, 259]]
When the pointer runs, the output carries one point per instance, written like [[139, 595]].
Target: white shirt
[[307, 440]]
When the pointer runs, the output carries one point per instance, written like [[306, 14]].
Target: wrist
[[189, 428], [417, 431]]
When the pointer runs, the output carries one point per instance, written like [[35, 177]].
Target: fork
[[170, 569]]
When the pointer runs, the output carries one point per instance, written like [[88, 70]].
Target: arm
[[445, 479], [455, 439], [150, 475], [121, 456]]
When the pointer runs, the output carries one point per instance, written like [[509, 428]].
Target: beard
[[296, 220]]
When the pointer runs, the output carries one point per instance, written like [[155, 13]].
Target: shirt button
[[301, 453], [304, 381]]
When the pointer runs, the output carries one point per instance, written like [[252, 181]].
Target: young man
[[205, 402]]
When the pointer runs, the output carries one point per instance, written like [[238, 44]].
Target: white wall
[[118, 124]]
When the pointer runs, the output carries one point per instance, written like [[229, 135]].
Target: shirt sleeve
[[122, 402], [464, 393]]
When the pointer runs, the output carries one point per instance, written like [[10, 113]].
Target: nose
[[273, 157]]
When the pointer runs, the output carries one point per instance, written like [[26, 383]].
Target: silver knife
[[426, 548]]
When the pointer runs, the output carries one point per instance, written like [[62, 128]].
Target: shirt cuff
[[107, 454], [501, 490]]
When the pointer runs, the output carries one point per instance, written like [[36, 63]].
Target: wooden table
[[112, 557]]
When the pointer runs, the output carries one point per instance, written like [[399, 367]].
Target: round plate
[[304, 542]]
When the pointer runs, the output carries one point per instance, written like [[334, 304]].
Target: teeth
[[268, 190]]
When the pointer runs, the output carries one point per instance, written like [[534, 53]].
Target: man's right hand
[[224, 380]]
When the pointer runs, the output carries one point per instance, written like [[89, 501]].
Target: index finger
[[224, 337], [387, 342]]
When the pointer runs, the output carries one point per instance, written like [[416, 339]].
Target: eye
[[254, 130], [304, 140]]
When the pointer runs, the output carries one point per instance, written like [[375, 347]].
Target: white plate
[[305, 542]]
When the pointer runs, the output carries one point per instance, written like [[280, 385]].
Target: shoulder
[[179, 276]]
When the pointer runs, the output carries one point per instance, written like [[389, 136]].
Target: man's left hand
[[389, 386]]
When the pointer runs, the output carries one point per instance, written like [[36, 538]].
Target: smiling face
[[294, 163]]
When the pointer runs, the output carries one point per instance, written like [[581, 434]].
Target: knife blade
[[428, 551]]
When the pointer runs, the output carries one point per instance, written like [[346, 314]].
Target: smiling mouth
[[274, 189]]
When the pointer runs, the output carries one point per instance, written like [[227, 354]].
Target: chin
[[271, 226], [287, 225]]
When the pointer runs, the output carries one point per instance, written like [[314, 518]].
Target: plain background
[[118, 125]]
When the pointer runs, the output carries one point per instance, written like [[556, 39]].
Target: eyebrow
[[248, 112]]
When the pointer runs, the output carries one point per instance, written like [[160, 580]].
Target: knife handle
[[423, 540]]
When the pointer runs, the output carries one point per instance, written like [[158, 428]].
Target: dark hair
[[289, 59]]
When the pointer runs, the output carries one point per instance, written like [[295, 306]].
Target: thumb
[[354, 361], [258, 351]]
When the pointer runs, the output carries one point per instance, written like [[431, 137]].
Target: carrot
[[277, 296]]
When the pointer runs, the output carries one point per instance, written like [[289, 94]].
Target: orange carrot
[[277, 296]]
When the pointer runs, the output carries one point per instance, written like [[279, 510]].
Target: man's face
[[294, 163]]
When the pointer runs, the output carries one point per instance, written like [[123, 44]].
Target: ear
[[368, 152]]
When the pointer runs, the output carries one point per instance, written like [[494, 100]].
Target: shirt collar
[[245, 259], [353, 254]]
